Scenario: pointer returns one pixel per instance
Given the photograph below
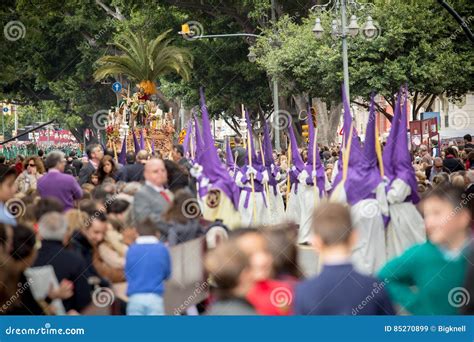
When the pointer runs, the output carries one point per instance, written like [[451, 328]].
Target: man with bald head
[[152, 199]]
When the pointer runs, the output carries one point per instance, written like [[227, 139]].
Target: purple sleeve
[[76, 189]]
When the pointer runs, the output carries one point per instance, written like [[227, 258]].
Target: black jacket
[[81, 245], [453, 164], [131, 173], [68, 265], [85, 173]]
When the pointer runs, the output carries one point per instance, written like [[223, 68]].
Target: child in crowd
[[424, 280], [147, 266], [230, 274], [338, 289], [268, 295]]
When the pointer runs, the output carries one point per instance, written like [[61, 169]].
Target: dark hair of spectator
[[47, 205], [178, 177], [179, 148], [147, 227], [6, 172], [24, 240], [118, 206]]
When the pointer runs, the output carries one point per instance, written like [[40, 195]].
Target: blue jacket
[[340, 290]]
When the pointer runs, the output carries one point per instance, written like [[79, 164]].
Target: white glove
[[303, 176], [196, 170], [251, 171], [265, 177]]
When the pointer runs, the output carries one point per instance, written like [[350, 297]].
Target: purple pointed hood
[[199, 142], [346, 129], [142, 140], [267, 146], [314, 150], [256, 161], [136, 145], [361, 180], [370, 153], [272, 169], [122, 158], [388, 165], [401, 155], [295, 155], [213, 169]]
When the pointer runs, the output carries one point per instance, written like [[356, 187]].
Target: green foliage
[[414, 48], [145, 60]]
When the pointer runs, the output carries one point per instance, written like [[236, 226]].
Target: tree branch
[[422, 103], [115, 14], [433, 97], [214, 11], [378, 107], [415, 99], [232, 125]]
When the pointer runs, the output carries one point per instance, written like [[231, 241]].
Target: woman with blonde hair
[[76, 221], [28, 179]]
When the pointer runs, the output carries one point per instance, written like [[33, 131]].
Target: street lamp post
[[252, 57], [369, 31]]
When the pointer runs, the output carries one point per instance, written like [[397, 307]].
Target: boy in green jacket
[[427, 279]]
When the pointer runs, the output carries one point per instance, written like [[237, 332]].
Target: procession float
[[141, 122]]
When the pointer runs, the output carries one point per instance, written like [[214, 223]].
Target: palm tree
[[145, 61]]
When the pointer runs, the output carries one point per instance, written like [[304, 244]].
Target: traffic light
[[185, 30]]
